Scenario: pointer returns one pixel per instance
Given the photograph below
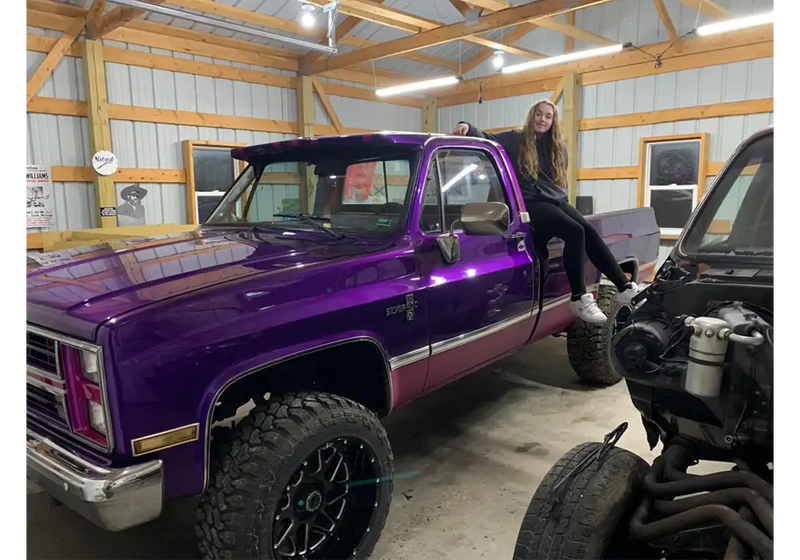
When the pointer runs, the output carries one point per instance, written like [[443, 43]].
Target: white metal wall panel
[[56, 140], [610, 195], [494, 113], [638, 21], [740, 81], [373, 115], [152, 145]]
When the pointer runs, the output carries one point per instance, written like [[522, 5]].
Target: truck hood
[[78, 289]]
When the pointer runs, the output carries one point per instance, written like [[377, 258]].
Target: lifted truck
[[414, 268], [697, 356]]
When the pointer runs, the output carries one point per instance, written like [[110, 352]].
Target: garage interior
[[169, 96]]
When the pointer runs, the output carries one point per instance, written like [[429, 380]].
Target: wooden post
[[305, 128], [570, 124], [99, 127], [430, 119]]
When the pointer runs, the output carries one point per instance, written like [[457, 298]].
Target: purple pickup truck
[[249, 362]]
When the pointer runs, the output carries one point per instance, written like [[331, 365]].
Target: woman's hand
[[461, 129]]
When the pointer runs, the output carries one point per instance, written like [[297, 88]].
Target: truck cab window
[[456, 177]]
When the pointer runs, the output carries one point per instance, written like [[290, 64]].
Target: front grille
[[41, 353], [47, 406]]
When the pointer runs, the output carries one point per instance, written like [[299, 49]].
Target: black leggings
[[559, 219]]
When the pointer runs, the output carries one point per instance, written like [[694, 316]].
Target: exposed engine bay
[[697, 357]]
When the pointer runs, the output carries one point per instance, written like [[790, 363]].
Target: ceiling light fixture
[[497, 59], [308, 19], [562, 58], [736, 24], [417, 86]]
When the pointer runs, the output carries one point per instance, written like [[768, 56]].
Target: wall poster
[[41, 211], [130, 209]]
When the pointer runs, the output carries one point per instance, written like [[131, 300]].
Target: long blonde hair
[[528, 158]]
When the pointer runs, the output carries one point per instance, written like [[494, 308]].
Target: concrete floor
[[481, 447]]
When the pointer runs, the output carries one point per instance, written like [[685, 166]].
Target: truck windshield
[[347, 192], [737, 218]]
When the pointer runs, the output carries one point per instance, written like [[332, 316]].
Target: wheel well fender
[[358, 369]]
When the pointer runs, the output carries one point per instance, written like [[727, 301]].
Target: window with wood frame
[[210, 172], [672, 177]]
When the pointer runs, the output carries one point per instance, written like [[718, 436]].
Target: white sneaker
[[586, 309], [625, 296]]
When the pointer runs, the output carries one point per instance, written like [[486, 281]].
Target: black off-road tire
[[253, 463], [588, 344], [587, 517]]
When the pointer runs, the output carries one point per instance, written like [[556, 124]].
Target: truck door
[[479, 307]]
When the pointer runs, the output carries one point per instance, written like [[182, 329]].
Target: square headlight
[[90, 365]]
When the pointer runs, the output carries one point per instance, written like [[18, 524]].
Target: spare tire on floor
[[587, 516], [588, 344]]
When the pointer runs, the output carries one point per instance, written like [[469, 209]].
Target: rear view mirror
[[485, 218]]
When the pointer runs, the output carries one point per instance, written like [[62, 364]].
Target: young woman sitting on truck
[[539, 157]]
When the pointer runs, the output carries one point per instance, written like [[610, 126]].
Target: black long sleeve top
[[543, 188]]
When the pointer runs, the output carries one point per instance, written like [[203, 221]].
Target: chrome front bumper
[[114, 499]]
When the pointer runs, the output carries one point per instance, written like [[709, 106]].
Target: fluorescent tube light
[[562, 58], [461, 174], [736, 24], [417, 86]]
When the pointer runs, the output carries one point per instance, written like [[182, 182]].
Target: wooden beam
[[430, 117], [326, 104], [570, 120], [569, 29], [53, 106], [305, 127], [174, 38], [58, 8], [170, 37], [462, 7], [663, 13], [712, 46], [93, 16], [709, 8], [632, 172], [447, 33], [573, 31], [569, 45], [221, 9], [72, 174], [118, 17], [99, 127], [494, 5], [736, 108], [54, 57], [558, 91], [509, 38], [392, 17], [360, 42]]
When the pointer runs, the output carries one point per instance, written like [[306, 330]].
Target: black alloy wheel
[[326, 506]]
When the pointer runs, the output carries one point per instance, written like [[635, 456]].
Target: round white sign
[[105, 163]]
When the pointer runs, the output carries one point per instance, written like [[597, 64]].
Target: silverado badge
[[409, 306]]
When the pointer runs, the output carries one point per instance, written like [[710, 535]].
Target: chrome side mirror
[[448, 245], [485, 218]]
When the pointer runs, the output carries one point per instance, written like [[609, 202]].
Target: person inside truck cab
[[539, 158]]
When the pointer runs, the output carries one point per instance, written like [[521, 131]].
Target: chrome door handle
[[517, 235]]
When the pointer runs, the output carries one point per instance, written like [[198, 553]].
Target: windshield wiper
[[314, 221]]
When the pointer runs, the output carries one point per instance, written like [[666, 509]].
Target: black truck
[[696, 352]]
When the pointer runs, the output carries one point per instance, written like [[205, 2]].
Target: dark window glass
[[672, 207], [214, 169], [674, 163], [205, 206]]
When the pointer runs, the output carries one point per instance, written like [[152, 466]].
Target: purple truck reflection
[[412, 265]]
